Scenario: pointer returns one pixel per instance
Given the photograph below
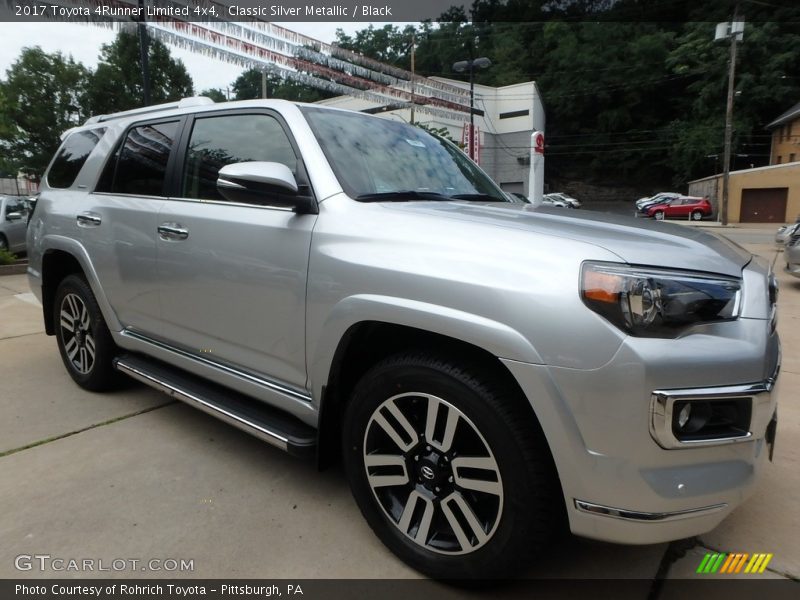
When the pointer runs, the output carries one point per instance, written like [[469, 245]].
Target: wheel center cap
[[427, 472]]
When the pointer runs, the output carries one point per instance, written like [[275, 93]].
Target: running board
[[248, 414]]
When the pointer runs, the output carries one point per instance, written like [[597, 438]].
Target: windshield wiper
[[401, 196], [478, 197]]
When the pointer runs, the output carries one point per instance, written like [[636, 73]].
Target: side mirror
[[14, 216], [264, 184]]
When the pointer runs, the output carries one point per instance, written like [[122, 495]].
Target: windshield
[[379, 159]]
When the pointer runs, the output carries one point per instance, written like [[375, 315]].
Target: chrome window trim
[[271, 384], [226, 203], [633, 515], [663, 401]]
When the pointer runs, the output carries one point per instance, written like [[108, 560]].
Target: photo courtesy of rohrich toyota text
[[403, 298]]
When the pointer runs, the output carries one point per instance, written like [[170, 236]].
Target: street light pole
[[471, 65], [144, 55]]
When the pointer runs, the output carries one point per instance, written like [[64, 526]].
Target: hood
[[635, 241]]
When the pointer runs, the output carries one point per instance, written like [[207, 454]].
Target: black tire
[[697, 215], [3, 242], [659, 215], [98, 373], [530, 501]]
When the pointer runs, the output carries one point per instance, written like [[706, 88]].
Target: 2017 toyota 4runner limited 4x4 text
[[353, 288]]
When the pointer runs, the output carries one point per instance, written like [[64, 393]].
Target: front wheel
[[659, 215], [449, 468], [84, 341]]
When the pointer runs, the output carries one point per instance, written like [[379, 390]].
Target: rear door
[[118, 221], [233, 275]]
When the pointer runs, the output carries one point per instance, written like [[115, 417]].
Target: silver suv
[[353, 288]]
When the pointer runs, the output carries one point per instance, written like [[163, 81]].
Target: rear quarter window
[[72, 156]]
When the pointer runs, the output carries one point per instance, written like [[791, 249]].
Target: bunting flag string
[[296, 56]]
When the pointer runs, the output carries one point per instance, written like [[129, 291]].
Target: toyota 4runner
[[349, 287]]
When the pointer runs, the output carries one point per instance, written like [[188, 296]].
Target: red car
[[681, 207]]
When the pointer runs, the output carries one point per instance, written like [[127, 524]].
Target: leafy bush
[[6, 258]]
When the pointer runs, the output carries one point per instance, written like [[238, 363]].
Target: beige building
[[785, 147], [761, 195]]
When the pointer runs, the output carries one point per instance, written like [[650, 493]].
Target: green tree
[[117, 83], [248, 87], [216, 94], [42, 96]]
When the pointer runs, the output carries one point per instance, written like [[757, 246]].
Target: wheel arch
[[62, 257], [366, 343]]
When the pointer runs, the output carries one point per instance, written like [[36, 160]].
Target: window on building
[[792, 158], [780, 158]]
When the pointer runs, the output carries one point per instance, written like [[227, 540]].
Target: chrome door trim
[[271, 384]]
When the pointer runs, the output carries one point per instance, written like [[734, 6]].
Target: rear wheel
[[697, 215], [449, 468], [3, 242], [659, 215], [83, 339]]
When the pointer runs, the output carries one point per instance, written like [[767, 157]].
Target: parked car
[[13, 222], [655, 199], [792, 253], [352, 288], [571, 202], [685, 207], [553, 200], [786, 231]]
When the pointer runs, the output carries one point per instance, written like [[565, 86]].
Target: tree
[[216, 94], [248, 87], [43, 96], [117, 83]]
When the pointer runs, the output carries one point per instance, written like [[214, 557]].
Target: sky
[[83, 43]]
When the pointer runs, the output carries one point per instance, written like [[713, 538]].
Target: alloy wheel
[[433, 473], [76, 333]]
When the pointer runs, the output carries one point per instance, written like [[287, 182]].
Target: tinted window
[[219, 141], [71, 157], [140, 165]]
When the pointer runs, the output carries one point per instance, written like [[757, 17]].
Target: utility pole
[[413, 76], [263, 84], [144, 54], [735, 32]]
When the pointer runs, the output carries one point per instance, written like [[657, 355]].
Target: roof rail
[[185, 103]]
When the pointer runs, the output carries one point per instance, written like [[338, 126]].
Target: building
[[505, 117], [764, 194], [761, 195], [785, 147]]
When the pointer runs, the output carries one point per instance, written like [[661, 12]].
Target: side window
[[70, 159], [140, 165], [219, 141]]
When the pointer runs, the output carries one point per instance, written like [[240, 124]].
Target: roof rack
[[185, 103]]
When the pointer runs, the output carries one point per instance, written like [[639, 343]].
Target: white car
[[659, 197], [785, 232], [571, 202]]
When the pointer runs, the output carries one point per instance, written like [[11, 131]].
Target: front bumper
[[619, 483]]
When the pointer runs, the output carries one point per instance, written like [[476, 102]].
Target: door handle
[[88, 219], [172, 232]]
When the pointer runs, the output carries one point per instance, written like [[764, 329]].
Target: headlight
[[651, 302]]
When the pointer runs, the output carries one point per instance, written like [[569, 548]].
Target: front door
[[233, 276]]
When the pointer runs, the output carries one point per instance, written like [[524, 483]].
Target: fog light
[[683, 417], [691, 417]]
